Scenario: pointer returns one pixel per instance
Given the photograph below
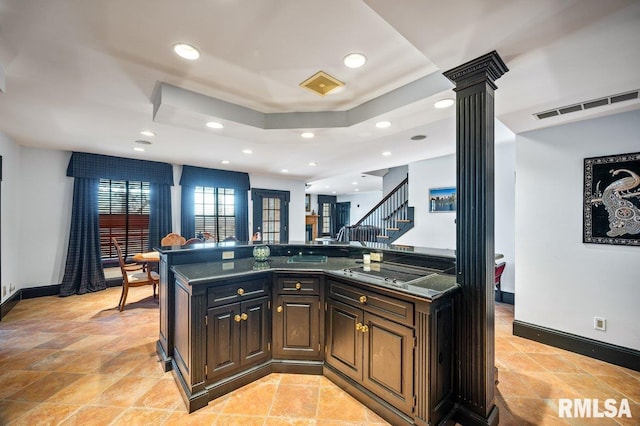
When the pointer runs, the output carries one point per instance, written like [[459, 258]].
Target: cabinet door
[[255, 331], [388, 361], [344, 339], [296, 327], [223, 340]]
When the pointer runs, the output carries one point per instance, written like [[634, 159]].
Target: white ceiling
[[80, 75]]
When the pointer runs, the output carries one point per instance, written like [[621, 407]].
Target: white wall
[[394, 176], [436, 230], [360, 203], [562, 283], [439, 229], [46, 196], [9, 216], [296, 203]]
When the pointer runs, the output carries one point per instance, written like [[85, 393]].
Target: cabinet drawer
[[298, 285], [236, 292], [396, 310]]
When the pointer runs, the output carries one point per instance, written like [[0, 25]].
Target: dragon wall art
[[612, 200]]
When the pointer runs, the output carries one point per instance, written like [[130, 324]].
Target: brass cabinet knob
[[237, 318], [240, 291], [298, 286], [279, 309], [359, 326], [363, 299], [244, 316], [364, 328]]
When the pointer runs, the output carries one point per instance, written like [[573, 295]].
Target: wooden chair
[[208, 236], [173, 239], [193, 241], [133, 275]]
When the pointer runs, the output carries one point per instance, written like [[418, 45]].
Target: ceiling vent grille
[[594, 103], [321, 83]]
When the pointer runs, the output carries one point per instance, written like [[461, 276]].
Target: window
[[215, 211], [123, 207], [326, 219]]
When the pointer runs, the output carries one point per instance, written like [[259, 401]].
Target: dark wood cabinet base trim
[[465, 416], [297, 367], [200, 399], [193, 402], [379, 406], [618, 355], [165, 361]]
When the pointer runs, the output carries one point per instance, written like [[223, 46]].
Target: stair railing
[[384, 215]]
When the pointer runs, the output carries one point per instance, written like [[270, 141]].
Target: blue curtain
[[187, 212], [213, 178], [160, 213], [83, 269], [242, 215]]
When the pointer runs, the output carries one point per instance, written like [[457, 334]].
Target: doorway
[[343, 215], [271, 215]]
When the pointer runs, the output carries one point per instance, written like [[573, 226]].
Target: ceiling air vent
[[321, 83], [594, 103]]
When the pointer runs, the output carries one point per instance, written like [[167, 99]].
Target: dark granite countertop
[[431, 286]]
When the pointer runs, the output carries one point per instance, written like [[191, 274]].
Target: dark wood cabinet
[[238, 336], [391, 350], [376, 352], [296, 327], [388, 361], [297, 315], [344, 339]]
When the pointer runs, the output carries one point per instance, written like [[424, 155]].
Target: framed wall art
[[442, 199], [307, 202], [612, 200]]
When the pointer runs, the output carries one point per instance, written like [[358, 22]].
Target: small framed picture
[[442, 199], [307, 202]]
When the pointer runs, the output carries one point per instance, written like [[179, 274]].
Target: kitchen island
[[382, 331]]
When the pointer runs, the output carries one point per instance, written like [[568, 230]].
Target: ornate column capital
[[487, 68]]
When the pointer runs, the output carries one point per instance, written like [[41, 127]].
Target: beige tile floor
[[78, 361]]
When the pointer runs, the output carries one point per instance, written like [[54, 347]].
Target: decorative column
[[475, 253]]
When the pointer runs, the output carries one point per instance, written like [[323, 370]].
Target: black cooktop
[[391, 272]]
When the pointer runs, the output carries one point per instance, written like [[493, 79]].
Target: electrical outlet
[[228, 255], [600, 323]]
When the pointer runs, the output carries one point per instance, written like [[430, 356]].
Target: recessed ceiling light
[[147, 133], [444, 103], [418, 137], [383, 124], [285, 171], [333, 192], [354, 183], [247, 151], [142, 142], [214, 125], [355, 60], [307, 135], [386, 153], [313, 163], [186, 51], [138, 148], [327, 186], [225, 161], [356, 190]]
